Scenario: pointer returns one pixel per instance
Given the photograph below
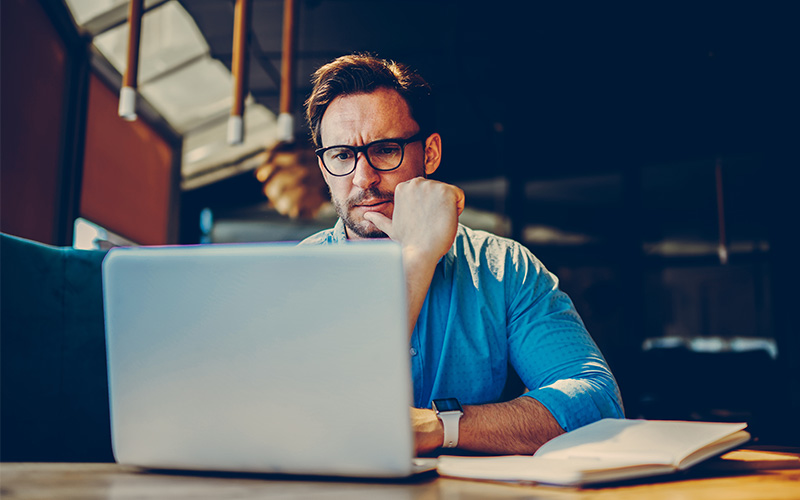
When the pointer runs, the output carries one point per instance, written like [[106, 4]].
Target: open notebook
[[607, 450]]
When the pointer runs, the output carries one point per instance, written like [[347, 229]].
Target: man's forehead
[[380, 114]]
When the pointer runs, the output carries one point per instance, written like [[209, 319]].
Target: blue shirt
[[491, 306]]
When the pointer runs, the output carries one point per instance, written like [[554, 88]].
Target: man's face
[[356, 120]]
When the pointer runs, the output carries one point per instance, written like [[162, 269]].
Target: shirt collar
[[339, 235]]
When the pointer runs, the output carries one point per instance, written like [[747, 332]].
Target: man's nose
[[364, 175]]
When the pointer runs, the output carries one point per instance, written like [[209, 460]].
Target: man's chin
[[364, 229]]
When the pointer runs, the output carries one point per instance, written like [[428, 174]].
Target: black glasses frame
[[363, 149]]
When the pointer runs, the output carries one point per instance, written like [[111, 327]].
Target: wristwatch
[[449, 411]]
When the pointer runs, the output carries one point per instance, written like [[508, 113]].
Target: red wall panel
[[34, 70], [128, 180]]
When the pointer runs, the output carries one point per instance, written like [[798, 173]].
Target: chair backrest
[[53, 379]]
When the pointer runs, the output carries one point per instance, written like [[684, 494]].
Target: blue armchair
[[53, 379]]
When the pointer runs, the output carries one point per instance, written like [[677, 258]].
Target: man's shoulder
[[484, 241], [487, 251]]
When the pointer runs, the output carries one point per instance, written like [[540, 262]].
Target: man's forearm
[[419, 271], [519, 426]]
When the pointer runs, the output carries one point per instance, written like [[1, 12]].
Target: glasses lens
[[339, 160], [385, 155]]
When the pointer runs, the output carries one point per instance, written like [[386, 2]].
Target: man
[[481, 307]]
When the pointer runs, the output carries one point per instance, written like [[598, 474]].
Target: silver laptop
[[265, 358]]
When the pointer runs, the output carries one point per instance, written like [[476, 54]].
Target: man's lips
[[373, 204]]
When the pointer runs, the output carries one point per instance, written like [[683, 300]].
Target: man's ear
[[433, 153]]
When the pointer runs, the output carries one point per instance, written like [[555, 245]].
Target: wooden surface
[[762, 479]]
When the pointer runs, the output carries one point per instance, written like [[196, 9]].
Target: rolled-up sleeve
[[551, 350]]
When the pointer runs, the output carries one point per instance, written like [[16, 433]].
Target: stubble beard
[[362, 228]]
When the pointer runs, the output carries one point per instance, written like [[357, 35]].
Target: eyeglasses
[[383, 155]]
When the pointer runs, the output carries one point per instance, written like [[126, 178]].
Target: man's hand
[[424, 222], [428, 430], [425, 216]]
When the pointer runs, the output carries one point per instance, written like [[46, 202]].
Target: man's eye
[[387, 150], [341, 155]]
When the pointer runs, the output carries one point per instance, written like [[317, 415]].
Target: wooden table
[[112, 481]]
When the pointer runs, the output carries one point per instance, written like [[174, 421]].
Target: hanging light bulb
[[241, 28], [127, 94]]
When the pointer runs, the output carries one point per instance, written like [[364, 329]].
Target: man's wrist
[[415, 257], [449, 411]]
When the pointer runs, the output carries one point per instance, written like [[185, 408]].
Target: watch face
[[448, 404]]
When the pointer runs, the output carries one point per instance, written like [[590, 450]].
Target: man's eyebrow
[[368, 143]]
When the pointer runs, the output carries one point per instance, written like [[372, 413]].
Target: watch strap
[[450, 420]]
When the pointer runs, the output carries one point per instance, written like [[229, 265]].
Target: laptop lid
[[268, 358]]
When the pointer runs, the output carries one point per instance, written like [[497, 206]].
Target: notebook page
[[652, 441]]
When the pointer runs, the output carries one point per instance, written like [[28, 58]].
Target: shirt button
[[413, 351]]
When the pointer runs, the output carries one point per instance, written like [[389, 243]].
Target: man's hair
[[363, 74]]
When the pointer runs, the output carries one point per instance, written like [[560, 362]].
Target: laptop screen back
[[260, 358]]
